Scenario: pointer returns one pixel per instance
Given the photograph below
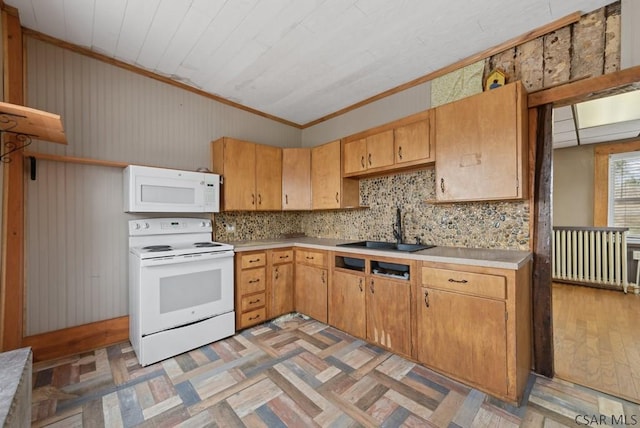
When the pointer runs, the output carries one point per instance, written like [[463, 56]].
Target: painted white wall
[[76, 234], [573, 186], [630, 34], [396, 106]]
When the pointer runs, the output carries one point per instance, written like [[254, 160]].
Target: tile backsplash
[[493, 224]]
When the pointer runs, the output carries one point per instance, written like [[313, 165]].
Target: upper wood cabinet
[[296, 179], [399, 145], [329, 190], [252, 175], [482, 146]]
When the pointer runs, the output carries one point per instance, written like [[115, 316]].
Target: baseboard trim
[[75, 340]]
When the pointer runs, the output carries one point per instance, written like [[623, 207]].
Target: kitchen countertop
[[503, 259]]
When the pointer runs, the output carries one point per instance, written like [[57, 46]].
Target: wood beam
[[585, 89], [12, 279], [542, 315]]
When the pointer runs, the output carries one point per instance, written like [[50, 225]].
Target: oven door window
[[176, 294]]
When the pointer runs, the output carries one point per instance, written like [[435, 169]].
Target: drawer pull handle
[[253, 302], [337, 197], [371, 288], [369, 159], [309, 257], [442, 184], [362, 161], [253, 199], [286, 199], [254, 260], [459, 281], [285, 257], [323, 277], [259, 199], [426, 298], [254, 318], [360, 285], [253, 281], [400, 152], [276, 274]]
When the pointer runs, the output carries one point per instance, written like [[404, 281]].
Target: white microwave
[[149, 189]]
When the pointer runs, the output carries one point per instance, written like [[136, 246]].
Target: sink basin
[[391, 246]]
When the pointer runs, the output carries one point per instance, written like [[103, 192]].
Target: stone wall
[[589, 47]]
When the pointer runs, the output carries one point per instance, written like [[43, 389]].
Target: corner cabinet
[[252, 175], [474, 324], [328, 189], [482, 146]]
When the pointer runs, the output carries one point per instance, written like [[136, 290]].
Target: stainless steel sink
[[390, 246]]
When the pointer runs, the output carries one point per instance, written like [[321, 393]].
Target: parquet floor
[[292, 372], [597, 339]]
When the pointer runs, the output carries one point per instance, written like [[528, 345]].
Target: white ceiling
[[298, 60]]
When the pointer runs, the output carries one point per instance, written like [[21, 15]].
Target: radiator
[[590, 255]]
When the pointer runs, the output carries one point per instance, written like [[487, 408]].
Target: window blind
[[624, 191]]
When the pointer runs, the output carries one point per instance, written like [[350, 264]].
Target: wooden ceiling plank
[[108, 18], [78, 18], [135, 26]]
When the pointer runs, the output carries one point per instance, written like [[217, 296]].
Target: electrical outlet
[[231, 228]]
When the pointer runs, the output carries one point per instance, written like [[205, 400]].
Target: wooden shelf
[[26, 124]]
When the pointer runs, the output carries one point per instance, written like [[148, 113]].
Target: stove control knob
[[202, 224], [137, 225], [146, 225]]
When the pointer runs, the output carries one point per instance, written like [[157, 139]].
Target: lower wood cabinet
[[280, 287], [474, 324], [389, 313], [347, 310], [311, 283], [250, 288]]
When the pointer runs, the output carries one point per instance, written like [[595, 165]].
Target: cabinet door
[[388, 314], [380, 150], [311, 291], [412, 142], [348, 300], [268, 182], [296, 179], [281, 290], [355, 156], [239, 175], [479, 147], [464, 336], [325, 175]]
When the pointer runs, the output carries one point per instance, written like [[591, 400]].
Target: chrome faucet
[[397, 229]]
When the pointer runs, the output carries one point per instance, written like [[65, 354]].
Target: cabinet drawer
[[281, 256], [253, 317], [251, 281], [315, 258], [252, 302], [248, 261], [479, 284]]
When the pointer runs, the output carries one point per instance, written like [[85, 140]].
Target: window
[[624, 192]]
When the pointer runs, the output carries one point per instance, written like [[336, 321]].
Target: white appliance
[[180, 287], [148, 189]]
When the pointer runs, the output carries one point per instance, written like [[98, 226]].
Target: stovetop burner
[[206, 244], [157, 248]]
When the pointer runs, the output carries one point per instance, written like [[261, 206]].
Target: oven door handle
[[186, 258]]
